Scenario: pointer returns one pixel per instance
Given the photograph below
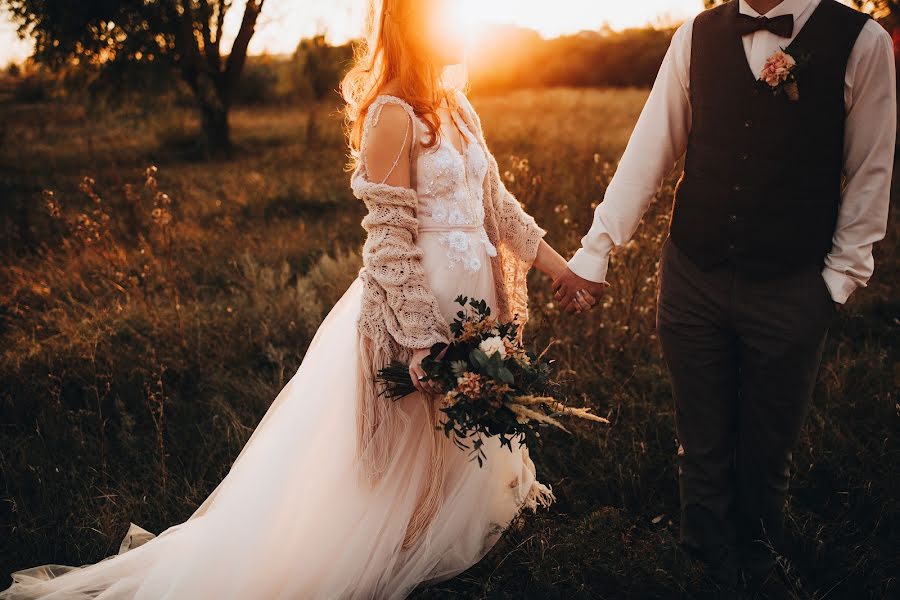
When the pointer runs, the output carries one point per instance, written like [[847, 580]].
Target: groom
[[785, 190]]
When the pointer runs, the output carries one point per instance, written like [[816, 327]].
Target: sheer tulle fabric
[[293, 520]]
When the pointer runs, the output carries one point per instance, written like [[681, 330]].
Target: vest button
[[732, 247], [733, 218], [737, 188], [748, 124], [745, 156]]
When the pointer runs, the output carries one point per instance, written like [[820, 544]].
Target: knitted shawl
[[399, 313]]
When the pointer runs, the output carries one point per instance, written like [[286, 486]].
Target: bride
[[341, 493]]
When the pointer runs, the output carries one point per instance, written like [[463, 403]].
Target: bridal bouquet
[[490, 384]]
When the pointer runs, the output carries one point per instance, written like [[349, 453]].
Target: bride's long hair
[[395, 50]]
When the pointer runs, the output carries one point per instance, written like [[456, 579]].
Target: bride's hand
[[417, 373], [583, 301]]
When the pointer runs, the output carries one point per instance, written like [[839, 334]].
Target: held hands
[[576, 294]]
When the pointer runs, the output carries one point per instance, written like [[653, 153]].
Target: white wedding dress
[[293, 519]]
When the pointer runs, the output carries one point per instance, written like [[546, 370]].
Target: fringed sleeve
[[392, 262], [399, 313]]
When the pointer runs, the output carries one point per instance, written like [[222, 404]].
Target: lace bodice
[[450, 188]]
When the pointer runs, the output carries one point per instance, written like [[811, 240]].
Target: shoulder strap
[[374, 113]]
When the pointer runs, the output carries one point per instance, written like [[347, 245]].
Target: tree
[[319, 67], [879, 9], [182, 35]]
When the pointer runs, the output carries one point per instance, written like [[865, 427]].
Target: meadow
[[152, 305]]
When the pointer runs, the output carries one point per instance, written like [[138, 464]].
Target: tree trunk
[[216, 131], [201, 68]]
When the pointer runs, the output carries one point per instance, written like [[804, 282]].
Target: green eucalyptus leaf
[[479, 358]]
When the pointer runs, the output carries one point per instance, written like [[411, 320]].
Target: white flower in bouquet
[[492, 346]]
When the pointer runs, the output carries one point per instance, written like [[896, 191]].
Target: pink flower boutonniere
[[779, 75]]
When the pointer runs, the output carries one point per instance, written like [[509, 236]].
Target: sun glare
[[342, 20], [467, 18], [568, 16]]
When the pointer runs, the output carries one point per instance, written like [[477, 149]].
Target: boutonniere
[[779, 75]]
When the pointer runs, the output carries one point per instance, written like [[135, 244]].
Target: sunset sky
[[285, 22]]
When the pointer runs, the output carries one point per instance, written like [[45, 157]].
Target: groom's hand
[[574, 292]]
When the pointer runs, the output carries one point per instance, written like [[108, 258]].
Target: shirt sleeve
[[870, 138], [659, 140]]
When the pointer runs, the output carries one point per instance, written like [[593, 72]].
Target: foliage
[[312, 74], [877, 8], [264, 82], [318, 67], [34, 85], [508, 58], [180, 35], [513, 58]]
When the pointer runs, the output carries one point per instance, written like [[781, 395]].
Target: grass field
[[148, 318]]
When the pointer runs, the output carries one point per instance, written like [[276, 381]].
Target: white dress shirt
[[661, 135]]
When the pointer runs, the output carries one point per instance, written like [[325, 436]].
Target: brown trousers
[[743, 355]]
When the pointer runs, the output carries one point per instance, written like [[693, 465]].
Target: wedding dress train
[[293, 518]]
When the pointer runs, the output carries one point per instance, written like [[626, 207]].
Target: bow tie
[[782, 26]]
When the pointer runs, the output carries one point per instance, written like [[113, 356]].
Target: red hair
[[395, 51]]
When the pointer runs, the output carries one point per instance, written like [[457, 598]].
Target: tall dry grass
[[149, 317]]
